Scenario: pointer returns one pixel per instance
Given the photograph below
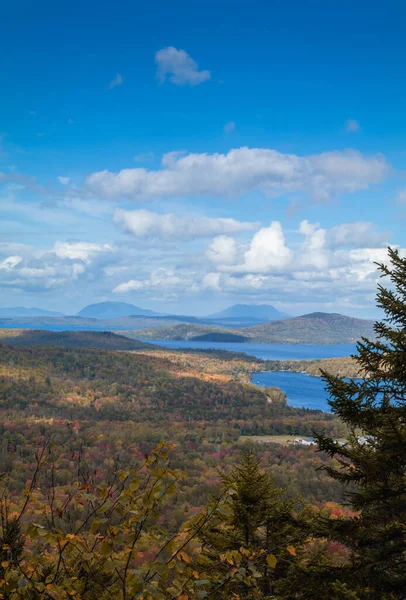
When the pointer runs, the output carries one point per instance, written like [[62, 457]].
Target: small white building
[[303, 442]]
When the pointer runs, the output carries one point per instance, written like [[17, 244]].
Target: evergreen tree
[[373, 462], [257, 537]]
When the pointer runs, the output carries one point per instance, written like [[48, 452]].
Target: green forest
[[125, 474]]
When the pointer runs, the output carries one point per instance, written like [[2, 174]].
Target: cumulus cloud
[[164, 280], [118, 80], [244, 170], [324, 257], [266, 252], [314, 266], [178, 67], [352, 126], [64, 180], [359, 234], [211, 281], [83, 251], [222, 250], [40, 273], [145, 223], [313, 249], [39, 270]]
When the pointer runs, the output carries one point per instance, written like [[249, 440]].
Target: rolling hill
[[314, 328], [182, 331], [105, 340]]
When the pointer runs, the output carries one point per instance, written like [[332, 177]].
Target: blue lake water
[[302, 390], [267, 351]]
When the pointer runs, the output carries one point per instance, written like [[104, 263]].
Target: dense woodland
[[120, 405], [123, 476]]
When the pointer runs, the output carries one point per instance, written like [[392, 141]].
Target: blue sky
[[186, 156]]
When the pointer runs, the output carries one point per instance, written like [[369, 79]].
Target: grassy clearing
[[275, 439]]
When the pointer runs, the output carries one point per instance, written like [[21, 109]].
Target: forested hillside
[[70, 339], [131, 401]]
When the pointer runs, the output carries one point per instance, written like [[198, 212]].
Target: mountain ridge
[[114, 310], [22, 311], [255, 311]]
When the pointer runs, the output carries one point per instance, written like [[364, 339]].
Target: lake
[[266, 351], [302, 390]]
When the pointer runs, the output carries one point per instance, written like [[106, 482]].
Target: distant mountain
[[259, 312], [105, 340], [114, 310], [314, 328], [21, 311]]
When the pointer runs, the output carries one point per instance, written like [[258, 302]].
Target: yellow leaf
[[271, 560], [291, 550], [4, 564], [185, 557]]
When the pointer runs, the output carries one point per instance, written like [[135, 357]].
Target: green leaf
[[105, 548]]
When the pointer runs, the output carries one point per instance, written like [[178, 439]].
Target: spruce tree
[[373, 461], [258, 536]]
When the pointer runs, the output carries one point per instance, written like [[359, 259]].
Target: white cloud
[[327, 264], [313, 249], [129, 286], [64, 180], [222, 250], [83, 251], [314, 266], [9, 263], [267, 252], [165, 280], [118, 80], [359, 234], [39, 270], [244, 170], [145, 223], [211, 281], [229, 127], [352, 126], [179, 67]]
